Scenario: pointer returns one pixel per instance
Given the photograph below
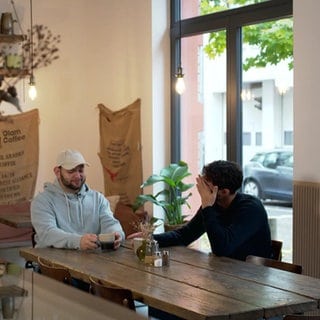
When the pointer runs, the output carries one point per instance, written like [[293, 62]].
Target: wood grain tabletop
[[195, 285]]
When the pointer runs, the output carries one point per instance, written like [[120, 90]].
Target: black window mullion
[[234, 104], [175, 43], [247, 15]]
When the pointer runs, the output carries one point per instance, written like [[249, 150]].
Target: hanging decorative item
[[180, 85], [7, 23], [39, 49]]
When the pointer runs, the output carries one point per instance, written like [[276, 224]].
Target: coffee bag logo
[[12, 136]]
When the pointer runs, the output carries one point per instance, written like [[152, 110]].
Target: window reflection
[[203, 7]]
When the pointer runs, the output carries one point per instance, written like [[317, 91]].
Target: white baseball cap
[[69, 159]]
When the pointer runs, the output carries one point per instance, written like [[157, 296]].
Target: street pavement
[[280, 218]]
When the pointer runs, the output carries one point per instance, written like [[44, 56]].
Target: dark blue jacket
[[236, 232]]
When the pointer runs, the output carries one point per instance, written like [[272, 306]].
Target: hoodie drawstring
[[68, 207]]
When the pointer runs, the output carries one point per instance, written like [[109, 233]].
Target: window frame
[[232, 21]]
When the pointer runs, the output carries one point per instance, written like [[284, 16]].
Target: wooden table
[[23, 220], [195, 285]]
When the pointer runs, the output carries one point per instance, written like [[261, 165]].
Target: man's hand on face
[[207, 191]]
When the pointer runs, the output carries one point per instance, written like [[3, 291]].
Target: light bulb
[[180, 85], [32, 88], [32, 92]]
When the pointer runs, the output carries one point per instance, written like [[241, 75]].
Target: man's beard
[[69, 185]]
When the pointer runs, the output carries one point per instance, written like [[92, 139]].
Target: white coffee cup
[[106, 240], [137, 242]]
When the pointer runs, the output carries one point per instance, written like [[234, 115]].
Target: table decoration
[[146, 229]]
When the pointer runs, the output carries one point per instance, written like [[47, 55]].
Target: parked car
[[268, 175]]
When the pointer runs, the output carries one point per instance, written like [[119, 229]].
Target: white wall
[[306, 90], [306, 228], [112, 52]]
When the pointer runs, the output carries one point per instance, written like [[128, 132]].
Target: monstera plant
[[172, 196]]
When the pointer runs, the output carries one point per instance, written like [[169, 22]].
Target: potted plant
[[171, 197]]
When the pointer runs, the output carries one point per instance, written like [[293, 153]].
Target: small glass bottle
[[165, 258], [151, 248], [148, 258], [141, 251], [157, 261]]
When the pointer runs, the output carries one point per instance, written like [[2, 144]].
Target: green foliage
[[171, 197], [274, 39], [210, 6]]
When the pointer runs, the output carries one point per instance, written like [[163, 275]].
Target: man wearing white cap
[[68, 214]]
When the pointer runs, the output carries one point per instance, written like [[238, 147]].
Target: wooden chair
[[31, 264], [275, 264], [58, 273], [277, 249], [300, 317], [118, 295]]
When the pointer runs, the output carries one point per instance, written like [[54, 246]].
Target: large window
[[238, 73]]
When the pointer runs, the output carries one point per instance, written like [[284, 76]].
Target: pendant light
[[32, 88], [180, 85], [32, 84]]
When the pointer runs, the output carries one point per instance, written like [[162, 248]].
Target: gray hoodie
[[60, 219]]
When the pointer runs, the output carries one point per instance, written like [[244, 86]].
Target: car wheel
[[251, 187]]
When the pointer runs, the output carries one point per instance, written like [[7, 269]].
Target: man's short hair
[[224, 174]]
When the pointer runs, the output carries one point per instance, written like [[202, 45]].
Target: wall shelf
[[11, 73], [12, 38]]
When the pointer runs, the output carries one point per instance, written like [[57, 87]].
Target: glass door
[[267, 122], [203, 108], [238, 99]]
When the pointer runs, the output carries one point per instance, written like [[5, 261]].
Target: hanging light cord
[[31, 37], [180, 85], [17, 17], [179, 45]]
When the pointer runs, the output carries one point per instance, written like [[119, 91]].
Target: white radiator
[[306, 227]]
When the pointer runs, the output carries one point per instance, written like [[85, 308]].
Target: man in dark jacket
[[236, 223]]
